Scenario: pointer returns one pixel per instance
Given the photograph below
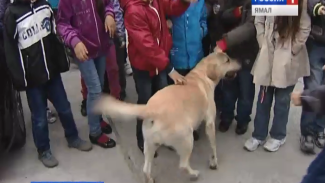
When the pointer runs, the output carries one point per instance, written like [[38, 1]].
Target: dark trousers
[[316, 170], [240, 90], [37, 101], [146, 87], [121, 60], [310, 122]]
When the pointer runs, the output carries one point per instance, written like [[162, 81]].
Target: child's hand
[[81, 52], [324, 67], [110, 25], [122, 44], [177, 78], [296, 98]]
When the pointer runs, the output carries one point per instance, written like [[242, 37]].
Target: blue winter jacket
[[188, 31]]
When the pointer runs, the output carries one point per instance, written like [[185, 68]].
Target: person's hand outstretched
[[81, 52], [296, 98], [110, 25], [177, 78]]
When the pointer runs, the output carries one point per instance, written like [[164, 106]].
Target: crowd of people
[[159, 42]]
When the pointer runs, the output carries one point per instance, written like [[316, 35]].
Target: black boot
[[224, 126], [83, 108], [241, 128], [307, 144]]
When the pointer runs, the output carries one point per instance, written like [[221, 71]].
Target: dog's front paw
[[194, 176], [213, 163]]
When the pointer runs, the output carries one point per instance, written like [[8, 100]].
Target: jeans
[[111, 76], [240, 90], [311, 122], [316, 170], [146, 87], [92, 72], [37, 102], [281, 112]]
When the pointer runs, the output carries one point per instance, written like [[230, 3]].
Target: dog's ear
[[222, 57]]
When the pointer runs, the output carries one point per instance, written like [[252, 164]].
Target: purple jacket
[[79, 21], [120, 29]]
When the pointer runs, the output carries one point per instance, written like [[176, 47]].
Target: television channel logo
[[275, 7]]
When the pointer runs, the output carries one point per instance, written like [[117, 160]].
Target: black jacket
[[317, 21], [314, 100], [34, 54], [241, 42], [216, 26]]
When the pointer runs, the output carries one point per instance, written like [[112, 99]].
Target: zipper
[[159, 27], [94, 13]]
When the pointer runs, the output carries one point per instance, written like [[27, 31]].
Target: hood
[[127, 3]]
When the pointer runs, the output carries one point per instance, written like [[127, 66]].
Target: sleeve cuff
[[222, 44], [237, 12], [75, 40], [109, 14]]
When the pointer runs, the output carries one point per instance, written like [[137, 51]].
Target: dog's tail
[[114, 108]]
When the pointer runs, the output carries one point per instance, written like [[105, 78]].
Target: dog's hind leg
[[211, 133], [149, 153], [184, 149]]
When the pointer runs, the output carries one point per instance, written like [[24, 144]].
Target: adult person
[[149, 43], [187, 48], [282, 59], [86, 27], [312, 125], [239, 43], [35, 62]]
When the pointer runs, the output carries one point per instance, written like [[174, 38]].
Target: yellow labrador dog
[[171, 115]]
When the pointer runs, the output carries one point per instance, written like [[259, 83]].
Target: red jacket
[[148, 35]]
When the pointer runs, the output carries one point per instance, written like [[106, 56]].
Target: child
[[313, 100], [188, 31], [312, 125], [239, 43], [281, 61], [85, 27], [149, 43], [35, 59]]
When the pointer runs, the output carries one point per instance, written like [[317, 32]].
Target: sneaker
[[307, 144], [48, 159], [252, 144], [80, 145], [273, 145], [224, 126], [103, 141], [128, 69], [241, 129], [51, 118], [319, 140], [83, 108], [106, 128]]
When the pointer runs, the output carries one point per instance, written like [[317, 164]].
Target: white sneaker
[[252, 144], [127, 69], [273, 145]]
